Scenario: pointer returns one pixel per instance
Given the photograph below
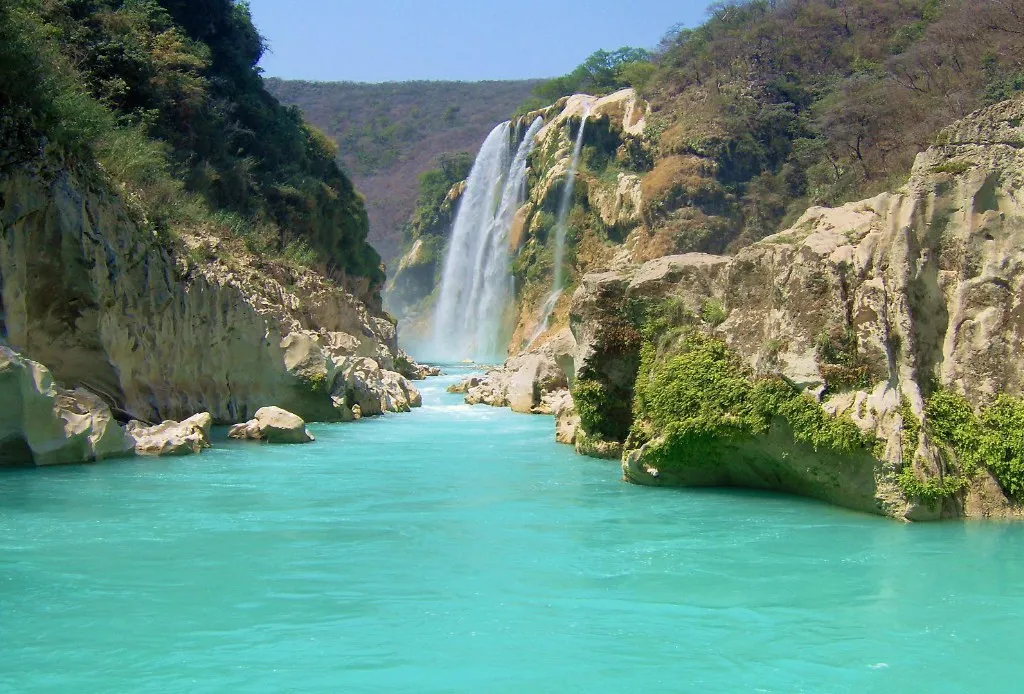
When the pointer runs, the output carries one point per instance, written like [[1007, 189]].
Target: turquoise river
[[459, 549]]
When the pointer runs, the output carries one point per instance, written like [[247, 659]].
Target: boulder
[[245, 431], [362, 382], [171, 438], [202, 421], [281, 426], [44, 424], [566, 419], [463, 386], [526, 382]]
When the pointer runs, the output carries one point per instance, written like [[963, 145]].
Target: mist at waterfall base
[[558, 282], [476, 284], [460, 549]]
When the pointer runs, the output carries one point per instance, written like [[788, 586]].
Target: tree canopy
[[601, 73]]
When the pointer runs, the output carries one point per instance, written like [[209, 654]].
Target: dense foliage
[[603, 413], [992, 440], [601, 73], [434, 186], [696, 396], [167, 96], [799, 102]]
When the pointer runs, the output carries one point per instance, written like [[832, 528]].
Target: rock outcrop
[[44, 424], [535, 382], [108, 308], [273, 425], [171, 438], [869, 308], [608, 184]]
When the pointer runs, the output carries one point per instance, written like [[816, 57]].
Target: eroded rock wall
[[870, 307], [106, 307]]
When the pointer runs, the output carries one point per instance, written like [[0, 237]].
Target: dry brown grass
[[690, 119], [686, 172]]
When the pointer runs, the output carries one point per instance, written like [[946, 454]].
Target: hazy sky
[[381, 40]]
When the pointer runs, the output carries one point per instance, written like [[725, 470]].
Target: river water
[[459, 549]]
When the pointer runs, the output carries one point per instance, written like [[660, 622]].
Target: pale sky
[[386, 40]]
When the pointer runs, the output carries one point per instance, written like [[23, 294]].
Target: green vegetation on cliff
[[992, 440], [427, 218], [167, 97], [602, 72], [389, 134], [696, 396], [778, 105]]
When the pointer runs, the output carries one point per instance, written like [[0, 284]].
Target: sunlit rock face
[[924, 284], [107, 308]]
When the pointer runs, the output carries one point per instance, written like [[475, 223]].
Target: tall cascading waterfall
[[476, 285], [558, 283]]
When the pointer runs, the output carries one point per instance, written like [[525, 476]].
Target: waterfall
[[476, 285], [564, 203]]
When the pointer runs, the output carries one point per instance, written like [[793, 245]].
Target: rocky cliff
[[173, 241], [606, 209], [867, 356], [160, 333]]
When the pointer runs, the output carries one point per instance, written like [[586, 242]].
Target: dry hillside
[[390, 133]]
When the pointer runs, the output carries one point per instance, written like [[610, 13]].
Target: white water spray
[[476, 285], [564, 204]]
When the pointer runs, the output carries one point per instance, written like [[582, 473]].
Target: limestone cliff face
[[43, 423], [605, 209], [410, 291], [870, 308], [159, 336], [850, 321]]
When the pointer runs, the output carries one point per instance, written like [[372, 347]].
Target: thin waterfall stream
[[564, 204]]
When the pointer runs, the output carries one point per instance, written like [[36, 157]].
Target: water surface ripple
[[459, 549]]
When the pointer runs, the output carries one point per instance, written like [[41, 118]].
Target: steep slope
[[740, 126], [173, 240], [606, 215], [389, 134]]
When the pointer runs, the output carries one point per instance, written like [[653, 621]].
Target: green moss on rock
[[702, 396], [602, 412]]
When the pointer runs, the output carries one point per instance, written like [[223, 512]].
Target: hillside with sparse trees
[[390, 133]]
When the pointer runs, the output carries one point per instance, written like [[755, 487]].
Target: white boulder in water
[[273, 425]]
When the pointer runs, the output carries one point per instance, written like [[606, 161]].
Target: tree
[[602, 72]]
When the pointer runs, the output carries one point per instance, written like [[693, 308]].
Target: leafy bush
[[930, 491], [602, 412], [713, 313], [434, 186], [601, 73], [40, 94], [993, 440], [700, 396]]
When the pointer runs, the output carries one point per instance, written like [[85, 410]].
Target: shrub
[[168, 98], [712, 312], [602, 411], [701, 396], [993, 440], [681, 180]]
